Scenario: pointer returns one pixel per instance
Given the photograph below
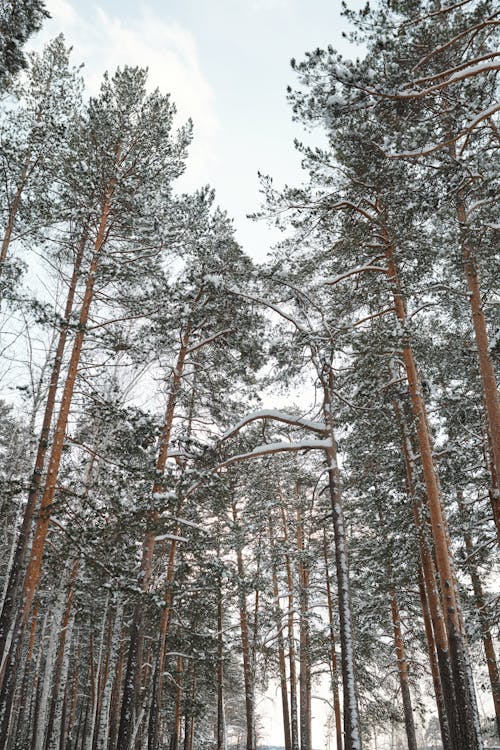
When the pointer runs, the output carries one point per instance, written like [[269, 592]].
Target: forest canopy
[[221, 479]]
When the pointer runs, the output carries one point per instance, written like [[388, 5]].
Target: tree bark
[[281, 644], [487, 372], [403, 672], [304, 657], [10, 598], [352, 726], [221, 727], [487, 638], [245, 644], [133, 662], [294, 719], [60, 655], [467, 718]]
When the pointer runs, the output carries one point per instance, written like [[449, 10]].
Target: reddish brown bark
[[7, 614], [488, 380], [433, 662], [33, 572]]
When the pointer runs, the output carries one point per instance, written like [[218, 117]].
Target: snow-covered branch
[[268, 449], [209, 340], [361, 269], [277, 416]]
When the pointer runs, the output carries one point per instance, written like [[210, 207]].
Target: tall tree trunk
[[221, 724], [294, 718], [304, 657], [479, 600], [488, 381], [245, 644], [58, 669], [403, 672], [437, 637], [9, 602], [34, 567], [467, 718], [281, 644], [103, 726], [176, 724], [352, 727], [334, 667], [136, 634]]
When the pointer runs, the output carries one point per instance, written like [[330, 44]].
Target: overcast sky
[[226, 64]]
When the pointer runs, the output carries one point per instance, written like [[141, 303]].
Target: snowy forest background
[[221, 478]]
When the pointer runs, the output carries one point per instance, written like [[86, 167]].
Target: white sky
[[226, 64]]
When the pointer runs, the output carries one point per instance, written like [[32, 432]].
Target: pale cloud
[[103, 41]]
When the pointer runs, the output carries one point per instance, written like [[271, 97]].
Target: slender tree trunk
[[34, 567], [403, 672], [245, 644], [488, 381], [73, 695], [114, 719], [488, 644], [294, 718], [467, 719], [56, 680], [304, 657], [176, 727], [281, 644], [437, 638], [99, 678], [103, 726], [40, 728], [14, 208], [334, 667], [221, 727], [352, 727], [433, 662], [136, 636], [10, 598]]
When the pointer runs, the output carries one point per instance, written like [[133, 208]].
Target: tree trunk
[[245, 644], [352, 727], [294, 718], [10, 598], [103, 726], [437, 638], [304, 657], [488, 644], [221, 728], [403, 672], [334, 667], [133, 663], [176, 727], [281, 644], [467, 719], [61, 650], [486, 369]]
